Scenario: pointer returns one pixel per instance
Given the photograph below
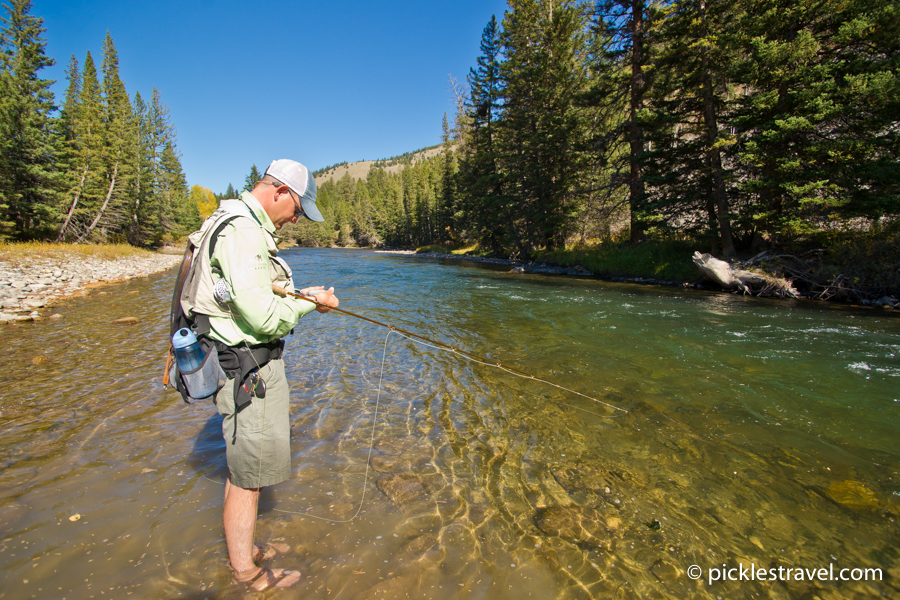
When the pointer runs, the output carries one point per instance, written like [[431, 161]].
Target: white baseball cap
[[298, 178]]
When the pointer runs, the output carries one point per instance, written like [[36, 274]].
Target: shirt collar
[[254, 205]]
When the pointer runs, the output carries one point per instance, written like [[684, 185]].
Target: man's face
[[288, 208]]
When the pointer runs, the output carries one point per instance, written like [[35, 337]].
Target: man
[[247, 320]]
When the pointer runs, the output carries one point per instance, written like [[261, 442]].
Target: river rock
[[127, 321], [853, 495], [390, 464], [665, 571], [418, 548], [403, 489], [587, 527], [40, 279]]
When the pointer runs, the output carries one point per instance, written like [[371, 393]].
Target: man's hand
[[326, 298]]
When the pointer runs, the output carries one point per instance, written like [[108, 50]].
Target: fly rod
[[283, 292]]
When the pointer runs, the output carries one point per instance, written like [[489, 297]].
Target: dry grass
[[360, 169], [16, 251]]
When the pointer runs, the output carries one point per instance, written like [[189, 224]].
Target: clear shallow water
[[757, 432]]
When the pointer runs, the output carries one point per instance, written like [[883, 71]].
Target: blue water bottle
[[188, 353]]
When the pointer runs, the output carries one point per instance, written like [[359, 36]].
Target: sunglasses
[[297, 213]]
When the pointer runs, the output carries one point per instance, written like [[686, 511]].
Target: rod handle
[[280, 291]]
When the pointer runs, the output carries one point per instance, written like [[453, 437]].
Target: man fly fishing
[[227, 299]]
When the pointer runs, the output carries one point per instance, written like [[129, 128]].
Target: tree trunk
[[636, 133], [719, 199], [112, 184], [62, 230]]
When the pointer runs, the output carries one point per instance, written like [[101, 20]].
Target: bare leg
[[240, 522]]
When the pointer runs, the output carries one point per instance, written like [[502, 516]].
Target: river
[[724, 432]]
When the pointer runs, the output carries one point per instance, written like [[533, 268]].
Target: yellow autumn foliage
[[205, 200]]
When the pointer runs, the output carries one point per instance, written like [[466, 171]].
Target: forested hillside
[[98, 166], [740, 125], [732, 126]]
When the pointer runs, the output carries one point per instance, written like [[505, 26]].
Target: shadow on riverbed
[[208, 460]]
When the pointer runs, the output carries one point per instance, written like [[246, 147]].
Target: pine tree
[[118, 146], [159, 131], [29, 180], [252, 179], [684, 168], [543, 74], [483, 209], [68, 114], [85, 167], [820, 118], [447, 199], [144, 223], [181, 215], [67, 131], [621, 55]]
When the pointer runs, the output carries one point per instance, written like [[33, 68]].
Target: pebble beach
[[30, 287]]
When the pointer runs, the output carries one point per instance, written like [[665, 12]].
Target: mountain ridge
[[360, 169]]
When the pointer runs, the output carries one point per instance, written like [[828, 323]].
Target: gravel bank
[[29, 285]]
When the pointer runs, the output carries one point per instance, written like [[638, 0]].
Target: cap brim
[[308, 202]]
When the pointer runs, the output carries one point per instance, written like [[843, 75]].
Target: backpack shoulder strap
[[176, 315], [215, 234]]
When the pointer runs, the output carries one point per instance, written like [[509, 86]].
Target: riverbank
[[542, 268], [32, 281], [653, 265]]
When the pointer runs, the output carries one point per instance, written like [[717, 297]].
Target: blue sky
[[249, 82]]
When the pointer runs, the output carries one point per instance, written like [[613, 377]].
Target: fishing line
[[368, 457], [474, 357], [423, 341], [523, 376]]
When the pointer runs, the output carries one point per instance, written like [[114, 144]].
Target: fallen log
[[730, 278]]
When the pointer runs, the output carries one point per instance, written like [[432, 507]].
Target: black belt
[[240, 361], [263, 353]]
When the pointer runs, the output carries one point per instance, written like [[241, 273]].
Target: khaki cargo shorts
[[258, 438]]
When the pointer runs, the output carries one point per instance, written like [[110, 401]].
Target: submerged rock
[[390, 464], [587, 527], [127, 321], [403, 488], [853, 495], [418, 548], [665, 571]]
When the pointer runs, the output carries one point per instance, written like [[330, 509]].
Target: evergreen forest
[[735, 126], [99, 166], [738, 125]]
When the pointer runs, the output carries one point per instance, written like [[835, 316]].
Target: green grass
[[659, 259], [15, 251], [473, 249]]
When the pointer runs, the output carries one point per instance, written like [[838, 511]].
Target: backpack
[[178, 319]]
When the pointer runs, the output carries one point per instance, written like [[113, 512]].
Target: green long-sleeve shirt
[[242, 256]]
